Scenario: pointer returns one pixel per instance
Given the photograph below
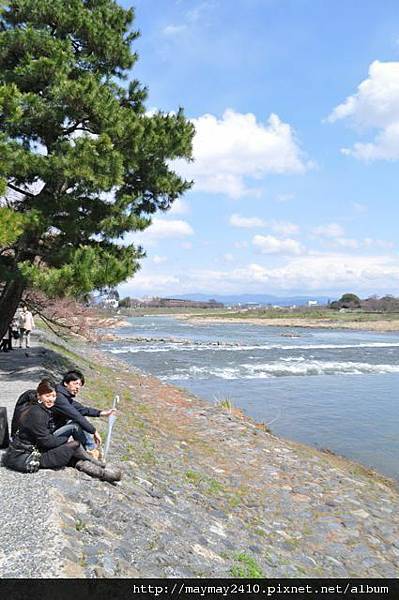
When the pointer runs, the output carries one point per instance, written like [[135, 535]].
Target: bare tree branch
[[63, 316]]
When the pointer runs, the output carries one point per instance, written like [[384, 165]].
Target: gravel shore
[[206, 493], [382, 325]]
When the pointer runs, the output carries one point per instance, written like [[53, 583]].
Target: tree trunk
[[9, 301]]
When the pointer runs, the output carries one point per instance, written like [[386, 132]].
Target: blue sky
[[296, 108]]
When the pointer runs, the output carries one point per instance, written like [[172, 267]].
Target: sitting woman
[[36, 429]]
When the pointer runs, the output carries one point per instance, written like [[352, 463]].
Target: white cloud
[[328, 271], [268, 244], [197, 13], [172, 30], [384, 244], [374, 105], [284, 227], [191, 19], [281, 198], [230, 150], [241, 244], [359, 208], [147, 283], [186, 245], [331, 230], [163, 229], [281, 227], [346, 242], [334, 237], [316, 273], [228, 257], [246, 222], [179, 207], [159, 259], [332, 273]]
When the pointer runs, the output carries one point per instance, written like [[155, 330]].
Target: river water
[[335, 389]]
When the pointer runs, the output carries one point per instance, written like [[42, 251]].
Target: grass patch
[[237, 497], [134, 422], [193, 477], [80, 525], [260, 532], [246, 567], [209, 486], [65, 353], [148, 455], [214, 487], [130, 451], [144, 409], [83, 561], [225, 404]]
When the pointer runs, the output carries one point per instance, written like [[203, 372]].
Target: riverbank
[[383, 326], [206, 492]]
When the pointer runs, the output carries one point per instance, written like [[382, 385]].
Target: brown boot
[[82, 454], [112, 474], [109, 474]]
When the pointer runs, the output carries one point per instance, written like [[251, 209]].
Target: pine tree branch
[[20, 191], [6, 249], [77, 127]]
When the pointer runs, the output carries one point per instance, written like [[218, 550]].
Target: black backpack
[[4, 440], [24, 401]]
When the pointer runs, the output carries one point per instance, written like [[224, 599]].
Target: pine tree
[[81, 162]]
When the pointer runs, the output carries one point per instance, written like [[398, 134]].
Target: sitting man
[[70, 416]]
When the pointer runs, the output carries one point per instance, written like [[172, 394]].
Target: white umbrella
[[111, 421]]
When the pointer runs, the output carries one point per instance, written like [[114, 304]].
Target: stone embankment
[[206, 493]]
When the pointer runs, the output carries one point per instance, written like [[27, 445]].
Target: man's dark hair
[[73, 376]]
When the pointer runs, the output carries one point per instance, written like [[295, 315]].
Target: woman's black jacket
[[36, 427]]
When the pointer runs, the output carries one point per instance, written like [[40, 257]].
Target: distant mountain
[[262, 299]]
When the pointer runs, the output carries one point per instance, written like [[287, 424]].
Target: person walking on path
[[6, 342], [12, 333], [26, 324], [15, 328], [36, 427]]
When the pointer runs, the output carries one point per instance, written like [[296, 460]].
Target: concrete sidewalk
[[31, 539]]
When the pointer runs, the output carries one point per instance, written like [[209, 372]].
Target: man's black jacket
[[67, 409]]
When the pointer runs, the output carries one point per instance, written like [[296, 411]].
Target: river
[[329, 388]]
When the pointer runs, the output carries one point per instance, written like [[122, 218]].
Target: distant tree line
[[351, 301], [168, 303]]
